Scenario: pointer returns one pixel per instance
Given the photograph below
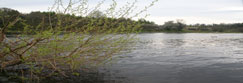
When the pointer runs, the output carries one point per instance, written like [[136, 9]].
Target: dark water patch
[[217, 73]]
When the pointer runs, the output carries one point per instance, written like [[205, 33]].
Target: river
[[177, 58], [182, 58]]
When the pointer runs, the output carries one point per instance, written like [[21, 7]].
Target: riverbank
[[186, 31]]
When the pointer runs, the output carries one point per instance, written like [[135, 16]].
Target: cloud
[[26, 6], [192, 11], [230, 9]]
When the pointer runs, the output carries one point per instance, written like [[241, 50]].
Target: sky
[[191, 11]]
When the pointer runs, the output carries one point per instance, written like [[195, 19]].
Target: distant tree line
[[235, 27], [36, 21], [169, 26], [180, 26]]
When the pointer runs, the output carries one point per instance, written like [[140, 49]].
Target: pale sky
[[192, 11]]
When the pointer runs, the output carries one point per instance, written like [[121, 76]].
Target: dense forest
[[35, 21]]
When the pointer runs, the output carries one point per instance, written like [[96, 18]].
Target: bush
[[63, 46]]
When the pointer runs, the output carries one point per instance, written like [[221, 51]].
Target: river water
[[182, 58], [176, 58]]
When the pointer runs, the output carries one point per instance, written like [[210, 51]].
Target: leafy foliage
[[65, 39]]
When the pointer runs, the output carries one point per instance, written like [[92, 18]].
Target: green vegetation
[[180, 27], [68, 39], [226, 28], [38, 21], [65, 40]]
